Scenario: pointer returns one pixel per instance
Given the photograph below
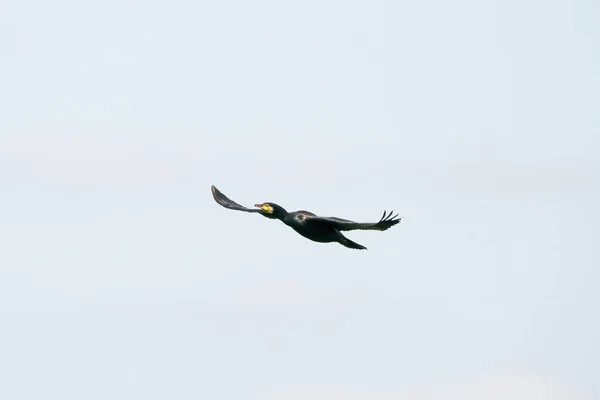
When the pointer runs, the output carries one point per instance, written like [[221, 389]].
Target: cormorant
[[309, 225]]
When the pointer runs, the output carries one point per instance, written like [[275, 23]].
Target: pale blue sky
[[121, 278]]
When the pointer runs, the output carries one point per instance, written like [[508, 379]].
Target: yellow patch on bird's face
[[267, 208]]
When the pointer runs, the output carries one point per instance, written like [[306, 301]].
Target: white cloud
[[498, 386]]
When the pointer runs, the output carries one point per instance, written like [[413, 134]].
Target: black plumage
[[309, 225]]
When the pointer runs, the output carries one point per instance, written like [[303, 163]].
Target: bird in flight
[[309, 225]]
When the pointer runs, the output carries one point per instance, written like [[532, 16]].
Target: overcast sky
[[477, 121]]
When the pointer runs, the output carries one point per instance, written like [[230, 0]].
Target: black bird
[[309, 225]]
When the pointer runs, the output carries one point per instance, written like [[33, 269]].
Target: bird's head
[[272, 210]]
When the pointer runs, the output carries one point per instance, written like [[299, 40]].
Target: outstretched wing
[[386, 222], [228, 203]]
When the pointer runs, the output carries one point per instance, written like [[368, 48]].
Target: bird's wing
[[386, 222], [226, 202]]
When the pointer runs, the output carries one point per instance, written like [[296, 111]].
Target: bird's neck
[[286, 218]]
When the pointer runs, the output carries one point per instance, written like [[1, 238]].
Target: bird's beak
[[265, 207]]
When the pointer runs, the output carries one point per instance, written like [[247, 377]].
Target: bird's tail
[[344, 241]]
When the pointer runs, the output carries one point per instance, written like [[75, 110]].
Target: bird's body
[[309, 225], [304, 223]]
